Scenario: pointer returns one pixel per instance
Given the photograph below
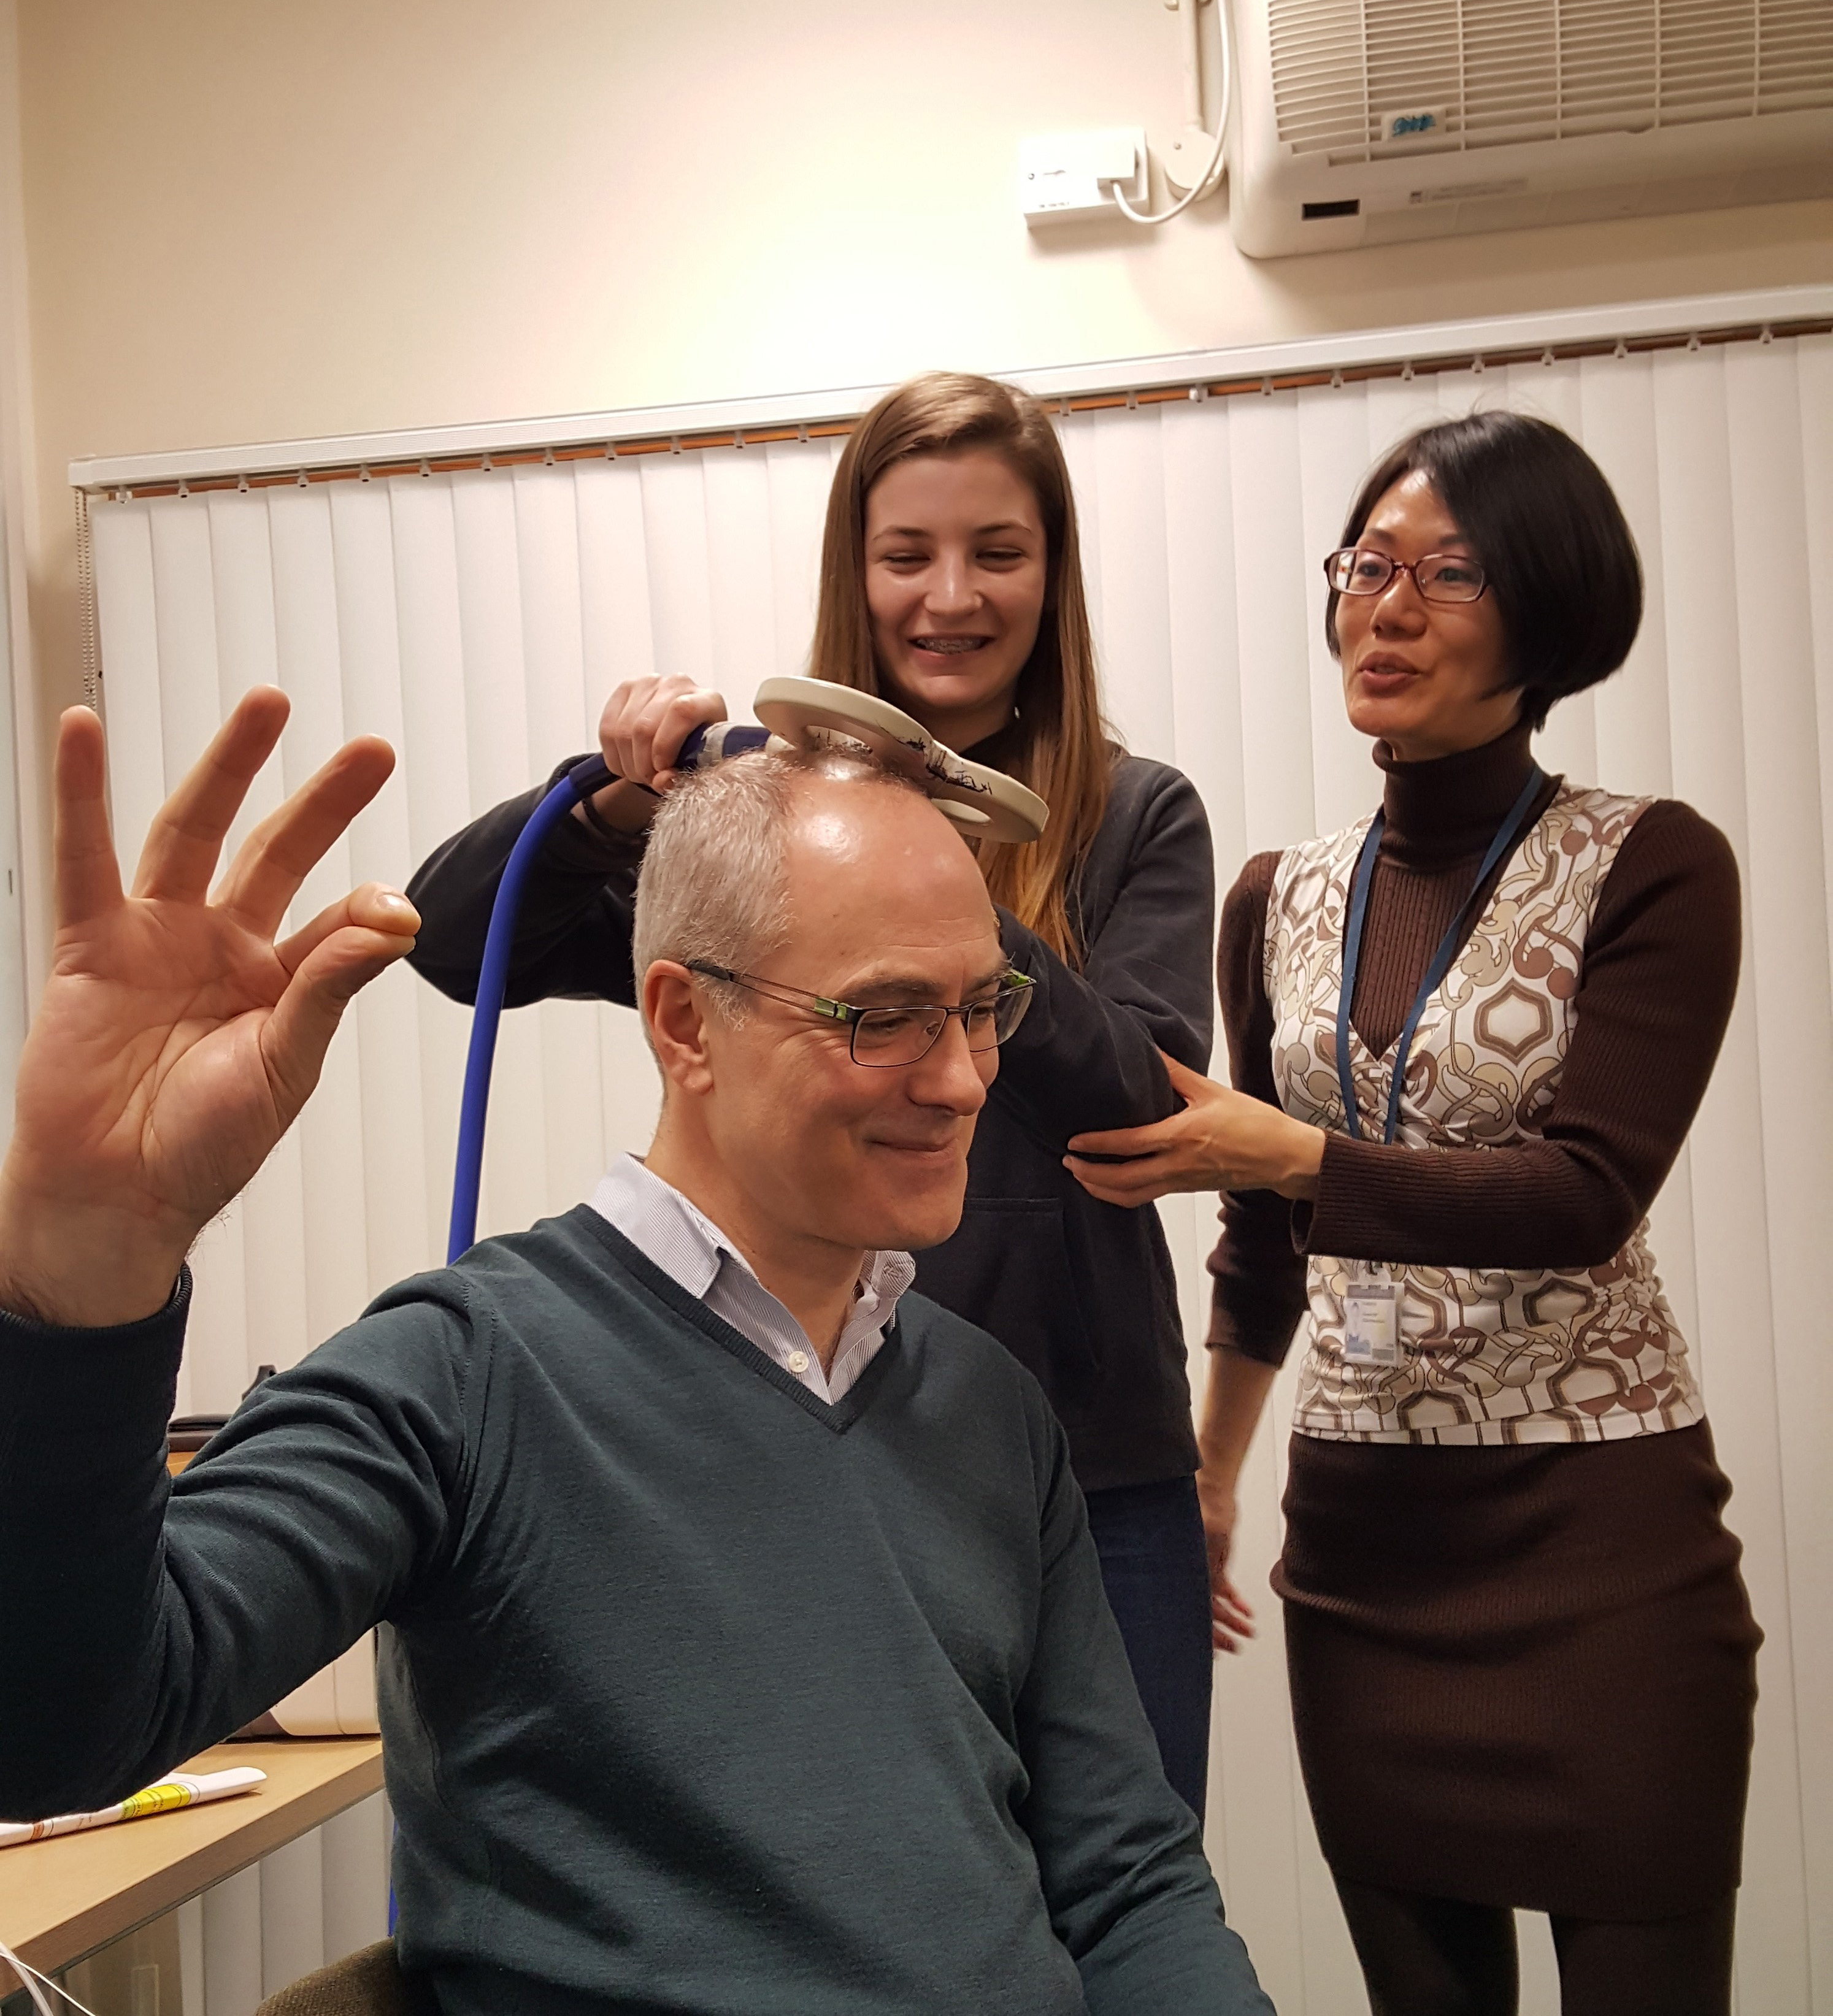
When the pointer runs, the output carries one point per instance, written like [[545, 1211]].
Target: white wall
[[249, 222]]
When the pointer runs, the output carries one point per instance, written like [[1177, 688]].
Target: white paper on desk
[[172, 1795]]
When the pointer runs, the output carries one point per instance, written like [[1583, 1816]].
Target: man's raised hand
[[176, 1041]]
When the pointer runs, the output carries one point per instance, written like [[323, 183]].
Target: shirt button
[[798, 1361]]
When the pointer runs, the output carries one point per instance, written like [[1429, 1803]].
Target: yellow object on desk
[[181, 1789], [61, 1900]]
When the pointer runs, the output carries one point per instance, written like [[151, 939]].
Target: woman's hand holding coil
[[177, 1039], [640, 734], [1223, 1140]]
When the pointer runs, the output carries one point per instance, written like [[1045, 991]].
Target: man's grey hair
[[714, 885]]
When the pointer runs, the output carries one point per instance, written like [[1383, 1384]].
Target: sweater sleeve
[[1119, 1855], [161, 1616], [1258, 1295], [1654, 994], [1085, 1058], [573, 931]]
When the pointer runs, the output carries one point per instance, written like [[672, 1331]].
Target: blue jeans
[[1155, 1568]]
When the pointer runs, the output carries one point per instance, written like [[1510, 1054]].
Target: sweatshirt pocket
[[1007, 1269]]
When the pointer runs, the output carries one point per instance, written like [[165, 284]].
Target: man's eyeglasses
[[1439, 576], [884, 1037]]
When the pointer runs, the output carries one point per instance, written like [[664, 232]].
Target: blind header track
[[1312, 362]]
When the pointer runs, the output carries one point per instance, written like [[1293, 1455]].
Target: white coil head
[[816, 713]]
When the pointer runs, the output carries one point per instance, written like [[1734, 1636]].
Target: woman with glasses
[[1467, 1037], [951, 583]]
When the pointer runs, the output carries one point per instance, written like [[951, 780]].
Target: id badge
[[1371, 1321]]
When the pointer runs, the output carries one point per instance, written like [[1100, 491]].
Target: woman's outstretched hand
[[1223, 1140], [176, 1040]]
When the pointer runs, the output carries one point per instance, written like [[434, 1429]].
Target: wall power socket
[[1065, 175]]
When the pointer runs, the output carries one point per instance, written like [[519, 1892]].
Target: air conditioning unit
[[1375, 122]]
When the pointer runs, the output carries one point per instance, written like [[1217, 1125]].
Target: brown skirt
[[1522, 1675]]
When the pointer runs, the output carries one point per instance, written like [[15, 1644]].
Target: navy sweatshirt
[[1082, 1292], [699, 1695]]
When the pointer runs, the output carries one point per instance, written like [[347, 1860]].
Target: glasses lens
[[982, 1023], [1008, 1010], [888, 1036], [1356, 571], [1448, 577]]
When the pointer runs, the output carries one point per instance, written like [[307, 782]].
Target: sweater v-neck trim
[[837, 1415]]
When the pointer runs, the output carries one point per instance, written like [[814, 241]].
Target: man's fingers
[[186, 836], [345, 955], [87, 876], [276, 857], [375, 908]]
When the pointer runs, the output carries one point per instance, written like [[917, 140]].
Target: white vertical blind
[[478, 619]]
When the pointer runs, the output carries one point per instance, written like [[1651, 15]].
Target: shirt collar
[[690, 1249]]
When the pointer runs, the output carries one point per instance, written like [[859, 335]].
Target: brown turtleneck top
[[1655, 989]]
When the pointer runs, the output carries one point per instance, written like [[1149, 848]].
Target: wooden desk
[[61, 1900]]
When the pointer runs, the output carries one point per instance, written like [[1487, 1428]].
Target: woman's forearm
[[622, 806], [1233, 1399]]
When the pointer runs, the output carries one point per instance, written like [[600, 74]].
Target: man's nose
[[952, 1076]]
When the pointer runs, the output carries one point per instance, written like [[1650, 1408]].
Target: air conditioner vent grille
[[1495, 72]]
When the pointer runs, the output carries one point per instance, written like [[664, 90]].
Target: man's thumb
[[305, 1018]]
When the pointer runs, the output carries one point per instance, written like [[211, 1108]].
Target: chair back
[[366, 1983]]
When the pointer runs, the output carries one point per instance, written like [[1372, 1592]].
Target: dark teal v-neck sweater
[[699, 1695]]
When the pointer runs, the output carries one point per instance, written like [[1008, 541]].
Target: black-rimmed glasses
[[1439, 576], [883, 1038]]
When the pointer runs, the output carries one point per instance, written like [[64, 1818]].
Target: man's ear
[[675, 1016]]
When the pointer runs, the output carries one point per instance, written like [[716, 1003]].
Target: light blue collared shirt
[[698, 1256]]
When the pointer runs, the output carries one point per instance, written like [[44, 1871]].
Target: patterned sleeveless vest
[[1488, 1355]]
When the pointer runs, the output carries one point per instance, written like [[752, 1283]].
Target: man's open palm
[[176, 1041]]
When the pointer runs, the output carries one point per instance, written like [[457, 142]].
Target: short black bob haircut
[[1551, 537]]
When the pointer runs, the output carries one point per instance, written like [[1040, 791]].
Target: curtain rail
[[617, 447], [1350, 357]]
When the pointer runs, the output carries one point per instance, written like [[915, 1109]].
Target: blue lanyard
[[1507, 836]]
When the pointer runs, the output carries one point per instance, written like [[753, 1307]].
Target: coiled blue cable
[[703, 748]]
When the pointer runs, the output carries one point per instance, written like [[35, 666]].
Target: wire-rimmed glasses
[[1439, 576], [882, 1039]]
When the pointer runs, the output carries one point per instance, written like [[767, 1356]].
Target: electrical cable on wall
[[1194, 130], [35, 1983]]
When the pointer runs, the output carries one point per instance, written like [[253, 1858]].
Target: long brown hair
[[1058, 743]]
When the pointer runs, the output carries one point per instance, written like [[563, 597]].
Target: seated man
[[744, 1648]]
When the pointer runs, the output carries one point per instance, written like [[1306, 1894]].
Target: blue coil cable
[[700, 749]]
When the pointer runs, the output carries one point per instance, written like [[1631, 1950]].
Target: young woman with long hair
[[951, 585]]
